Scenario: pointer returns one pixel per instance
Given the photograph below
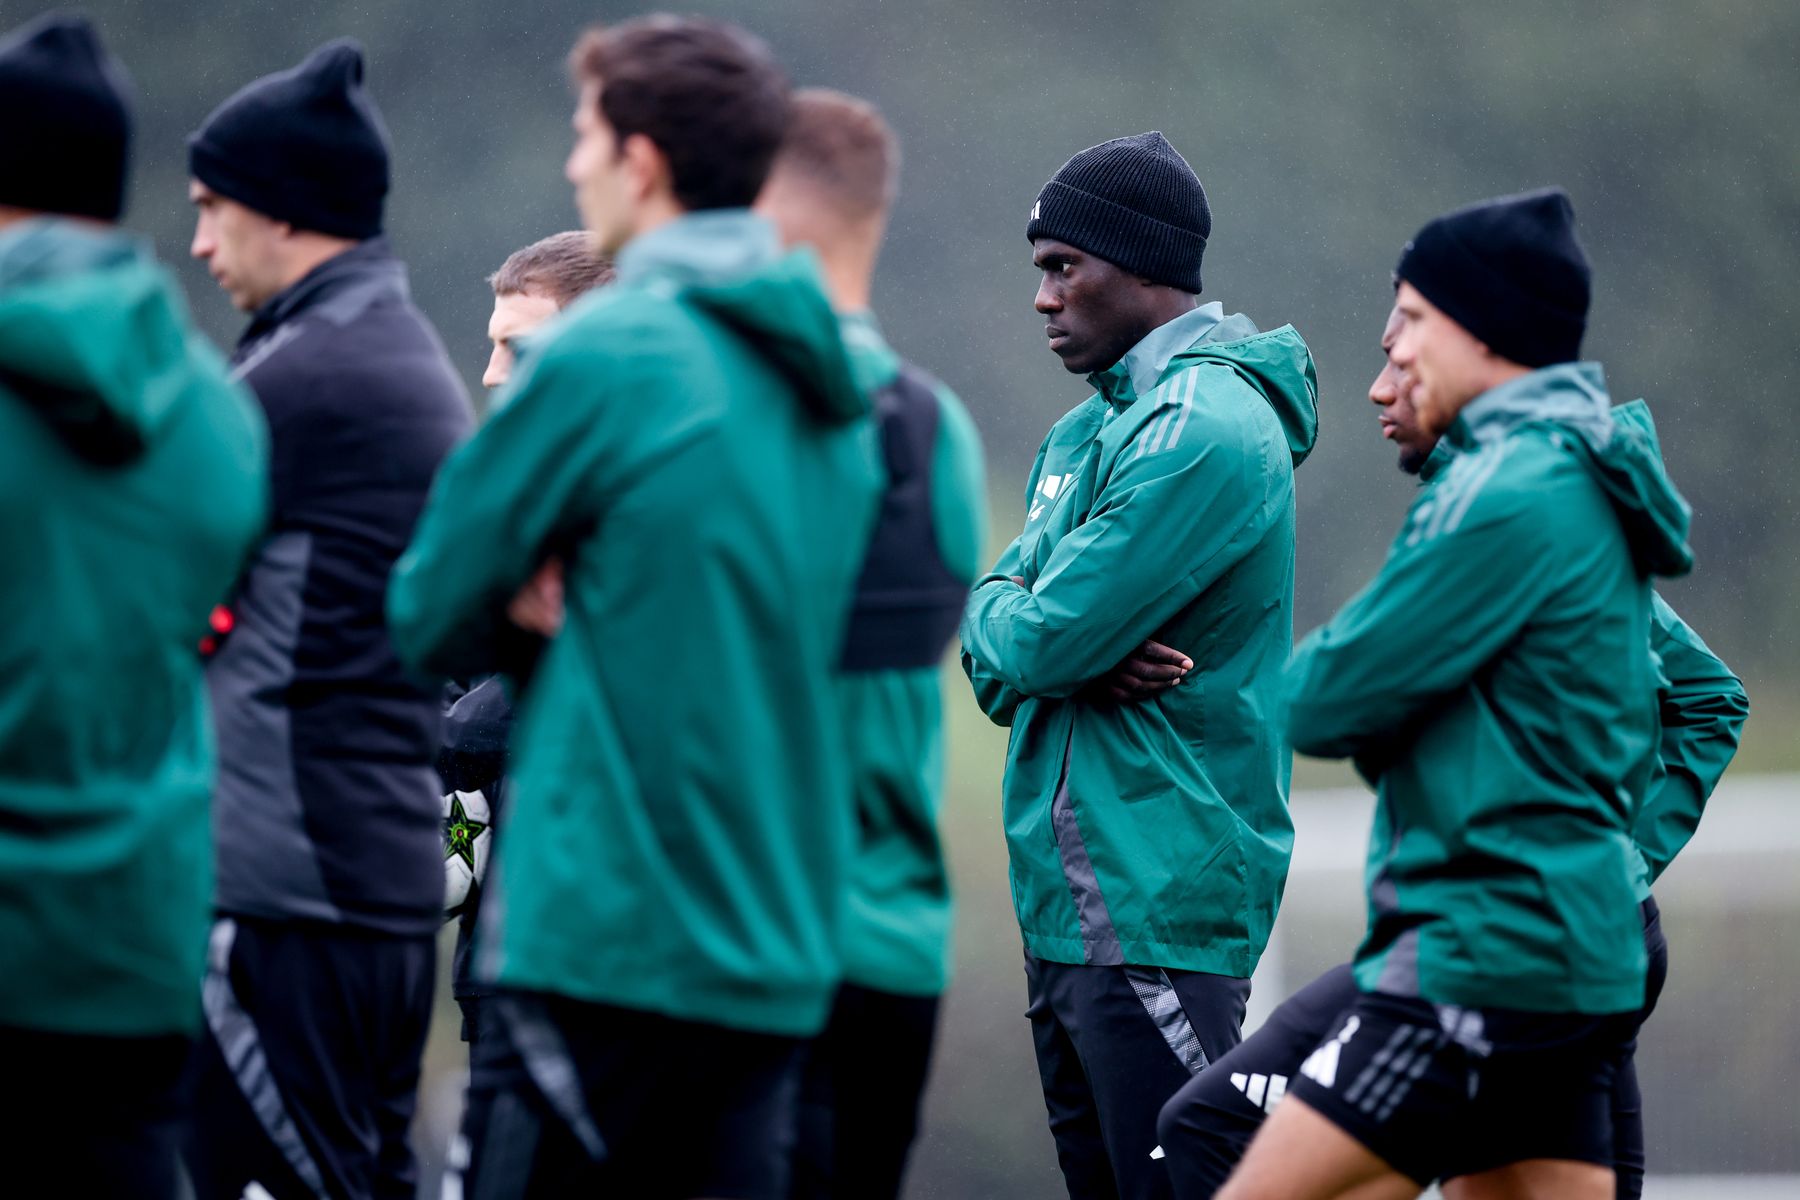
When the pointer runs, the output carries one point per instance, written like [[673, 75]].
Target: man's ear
[[647, 167]]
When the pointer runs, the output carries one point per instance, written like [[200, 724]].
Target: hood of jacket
[[1617, 446], [90, 329], [1277, 364], [727, 263]]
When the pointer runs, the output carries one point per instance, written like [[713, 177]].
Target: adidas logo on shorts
[[1264, 1091], [1321, 1066]]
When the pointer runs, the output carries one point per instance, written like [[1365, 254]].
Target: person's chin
[[1073, 362]]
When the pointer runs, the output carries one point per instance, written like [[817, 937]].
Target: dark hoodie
[[1492, 682], [132, 486], [691, 441]]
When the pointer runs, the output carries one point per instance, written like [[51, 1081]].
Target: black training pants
[[1113, 1044], [859, 1095]]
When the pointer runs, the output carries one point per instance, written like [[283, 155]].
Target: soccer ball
[[468, 833]]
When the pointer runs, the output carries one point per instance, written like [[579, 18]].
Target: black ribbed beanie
[[65, 138], [306, 146], [1510, 272], [1133, 201]]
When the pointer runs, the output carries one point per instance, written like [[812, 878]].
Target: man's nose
[[496, 372], [1047, 301]]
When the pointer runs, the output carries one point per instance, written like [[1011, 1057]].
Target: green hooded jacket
[[898, 936], [1493, 682], [1153, 834], [1702, 705], [690, 441], [133, 482]]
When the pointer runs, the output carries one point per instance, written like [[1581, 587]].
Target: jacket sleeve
[[1703, 712], [566, 436], [1465, 575], [959, 494], [1169, 520], [996, 699]]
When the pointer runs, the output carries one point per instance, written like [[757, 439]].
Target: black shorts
[[1435, 1090], [573, 1098], [1207, 1127]]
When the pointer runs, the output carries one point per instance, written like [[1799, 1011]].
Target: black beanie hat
[[305, 146], [1134, 202], [1510, 272], [65, 138]]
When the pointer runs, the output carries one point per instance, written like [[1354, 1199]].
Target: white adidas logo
[[1048, 487], [1322, 1064], [1034, 209], [1264, 1091]]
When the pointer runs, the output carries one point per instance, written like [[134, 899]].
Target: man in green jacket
[[831, 187], [132, 485], [665, 906], [1511, 735], [1149, 838], [1208, 1125]]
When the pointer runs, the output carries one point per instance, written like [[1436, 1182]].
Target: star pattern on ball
[[460, 832]]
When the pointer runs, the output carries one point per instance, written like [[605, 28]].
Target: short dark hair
[[842, 146], [710, 96], [561, 266]]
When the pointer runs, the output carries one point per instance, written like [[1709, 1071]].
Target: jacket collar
[[1572, 394], [341, 286], [700, 247], [1141, 367]]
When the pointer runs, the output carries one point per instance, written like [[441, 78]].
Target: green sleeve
[[1468, 569], [567, 434], [959, 495], [1166, 524], [996, 699], [1703, 712]]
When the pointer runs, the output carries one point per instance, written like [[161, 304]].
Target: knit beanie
[[1134, 202], [1510, 272], [305, 146], [65, 139]]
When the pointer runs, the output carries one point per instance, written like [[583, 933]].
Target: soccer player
[[1512, 734], [328, 814], [1207, 1126], [692, 443], [831, 188], [531, 286], [133, 484], [534, 284], [1149, 841]]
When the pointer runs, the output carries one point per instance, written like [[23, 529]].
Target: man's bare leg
[[1299, 1155], [1535, 1179]]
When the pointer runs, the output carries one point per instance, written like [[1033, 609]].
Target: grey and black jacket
[[328, 806]]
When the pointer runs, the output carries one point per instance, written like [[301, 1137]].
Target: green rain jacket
[[133, 482], [1702, 705], [1162, 507], [898, 936], [690, 440], [1493, 682]]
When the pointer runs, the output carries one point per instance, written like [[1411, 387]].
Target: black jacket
[[328, 806]]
